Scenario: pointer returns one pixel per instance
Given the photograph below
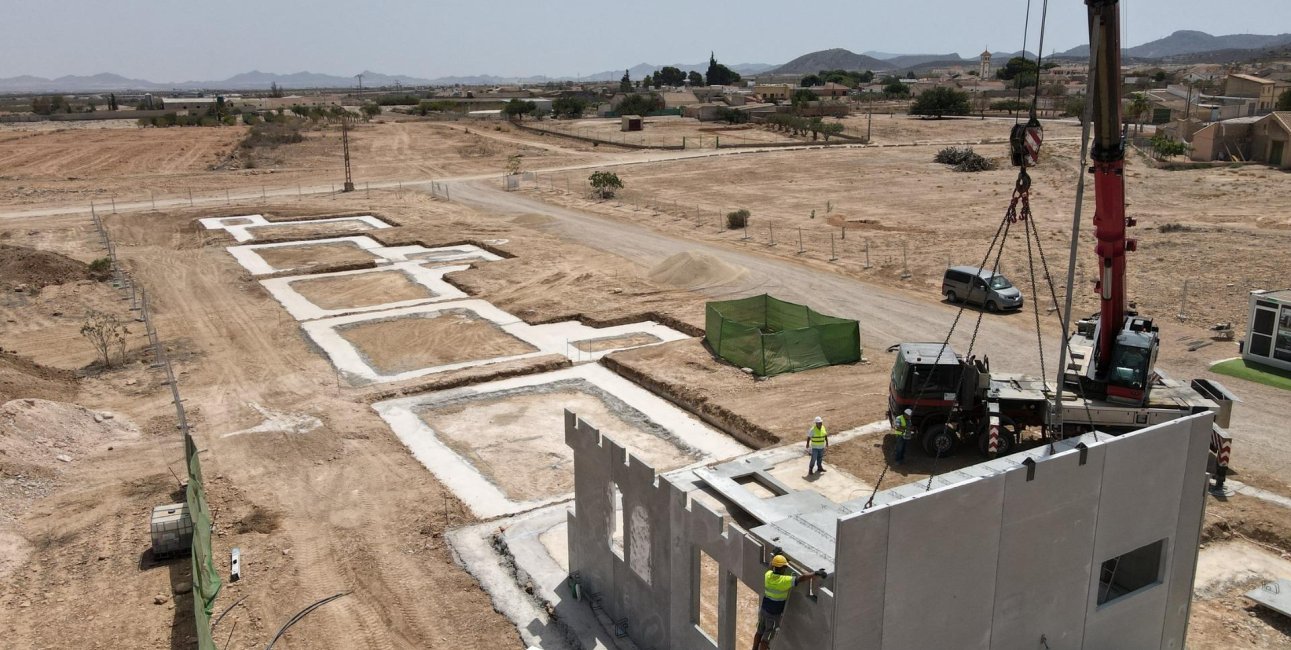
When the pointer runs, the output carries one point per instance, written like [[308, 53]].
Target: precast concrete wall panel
[[1046, 551], [861, 563], [1192, 507], [1138, 505], [942, 554]]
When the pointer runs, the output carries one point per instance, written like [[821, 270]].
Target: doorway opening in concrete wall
[[1131, 572], [706, 581], [747, 604], [616, 520]]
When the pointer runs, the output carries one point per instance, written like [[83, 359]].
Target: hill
[[834, 59], [1191, 42]]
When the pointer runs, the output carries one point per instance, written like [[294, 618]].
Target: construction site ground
[[346, 507]]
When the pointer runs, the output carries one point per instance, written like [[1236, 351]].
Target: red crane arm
[[1108, 154]]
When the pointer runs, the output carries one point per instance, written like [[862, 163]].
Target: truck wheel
[[940, 441], [991, 306], [1008, 438], [951, 297]]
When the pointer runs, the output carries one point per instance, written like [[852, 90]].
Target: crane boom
[[1108, 156]]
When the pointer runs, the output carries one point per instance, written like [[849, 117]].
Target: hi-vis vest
[[903, 427], [818, 435], [777, 586]]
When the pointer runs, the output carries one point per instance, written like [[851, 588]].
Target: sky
[[181, 41]]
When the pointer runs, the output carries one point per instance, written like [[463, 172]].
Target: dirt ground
[[406, 343], [667, 130], [312, 256], [361, 290], [517, 441], [309, 230], [325, 511], [611, 342]]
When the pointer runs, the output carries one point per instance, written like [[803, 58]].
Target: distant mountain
[[834, 59], [919, 60], [1191, 42]]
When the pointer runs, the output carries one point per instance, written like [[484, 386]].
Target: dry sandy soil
[[308, 257], [361, 290], [328, 510], [418, 341], [102, 163], [669, 131]]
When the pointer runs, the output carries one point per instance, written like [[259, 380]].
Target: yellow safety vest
[[818, 436], [777, 586], [903, 427]]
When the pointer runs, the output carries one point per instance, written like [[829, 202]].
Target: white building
[[1268, 332]]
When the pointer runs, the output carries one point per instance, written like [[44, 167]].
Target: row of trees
[[717, 75], [799, 125], [849, 78]]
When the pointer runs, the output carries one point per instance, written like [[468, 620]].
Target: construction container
[[172, 530]]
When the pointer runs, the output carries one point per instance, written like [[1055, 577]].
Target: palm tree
[[1139, 105]]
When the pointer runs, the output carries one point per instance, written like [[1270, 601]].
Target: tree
[[832, 128], [810, 80], [112, 102], [371, 110], [737, 219], [1010, 105], [49, 104], [894, 88], [939, 102], [718, 74], [1075, 106], [513, 164], [274, 89], [694, 78], [1138, 106], [106, 333], [1284, 101], [568, 106], [802, 95], [625, 84], [640, 104], [604, 184], [670, 76], [732, 116], [1018, 65], [1163, 147], [516, 109]]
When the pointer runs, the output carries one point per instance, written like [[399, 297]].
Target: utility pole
[[360, 77], [345, 145]]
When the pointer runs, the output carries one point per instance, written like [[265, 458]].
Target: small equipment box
[[172, 530]]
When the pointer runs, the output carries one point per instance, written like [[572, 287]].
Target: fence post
[[771, 228], [905, 261], [746, 229], [190, 197], [800, 251], [1183, 305], [833, 253], [227, 200], [114, 204], [844, 231], [867, 253], [153, 194]]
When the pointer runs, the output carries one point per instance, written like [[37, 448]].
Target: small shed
[[1268, 331], [631, 123]]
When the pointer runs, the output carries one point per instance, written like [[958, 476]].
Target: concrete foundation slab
[[552, 338], [252, 226], [498, 445], [292, 291], [256, 258]]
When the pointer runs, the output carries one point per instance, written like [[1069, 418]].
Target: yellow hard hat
[[779, 561]]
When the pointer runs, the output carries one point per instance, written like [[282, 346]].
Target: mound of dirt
[[37, 433], [33, 270], [21, 377], [691, 270]]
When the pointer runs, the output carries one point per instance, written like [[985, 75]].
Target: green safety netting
[[773, 336], [206, 579]]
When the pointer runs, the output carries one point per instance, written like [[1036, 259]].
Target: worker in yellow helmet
[[817, 442], [778, 582]]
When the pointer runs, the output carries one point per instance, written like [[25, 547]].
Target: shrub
[[953, 155], [737, 219], [975, 163], [604, 184], [1173, 227], [101, 268]]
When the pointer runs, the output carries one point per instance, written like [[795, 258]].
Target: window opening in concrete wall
[[616, 520], [1128, 573], [705, 582], [747, 604]]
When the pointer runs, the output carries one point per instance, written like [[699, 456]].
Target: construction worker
[[901, 427], [817, 441], [778, 582]]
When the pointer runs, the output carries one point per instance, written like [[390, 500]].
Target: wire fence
[[206, 579]]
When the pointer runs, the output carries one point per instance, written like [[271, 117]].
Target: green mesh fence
[[773, 336], [206, 579]]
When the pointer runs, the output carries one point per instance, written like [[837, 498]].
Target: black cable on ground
[[301, 614]]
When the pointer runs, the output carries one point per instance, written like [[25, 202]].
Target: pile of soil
[[37, 433], [32, 270], [692, 269], [21, 377]]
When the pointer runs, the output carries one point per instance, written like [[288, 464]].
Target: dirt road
[[887, 316]]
